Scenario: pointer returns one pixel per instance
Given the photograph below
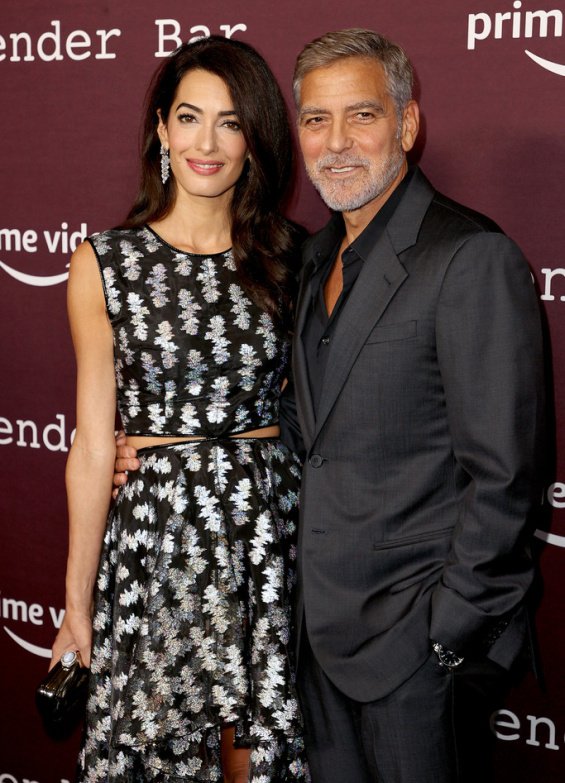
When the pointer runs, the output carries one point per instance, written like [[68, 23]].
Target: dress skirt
[[192, 618]]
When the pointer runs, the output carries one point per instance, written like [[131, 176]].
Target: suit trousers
[[434, 728]]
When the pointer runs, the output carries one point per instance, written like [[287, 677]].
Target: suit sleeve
[[291, 434], [489, 347]]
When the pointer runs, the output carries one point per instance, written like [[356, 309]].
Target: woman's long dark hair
[[265, 244]]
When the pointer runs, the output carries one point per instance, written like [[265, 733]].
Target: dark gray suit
[[420, 471]]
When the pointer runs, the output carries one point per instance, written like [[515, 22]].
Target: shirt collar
[[325, 243], [367, 239]]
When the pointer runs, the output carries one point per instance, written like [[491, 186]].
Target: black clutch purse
[[61, 696]]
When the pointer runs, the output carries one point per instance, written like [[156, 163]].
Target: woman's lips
[[205, 167]]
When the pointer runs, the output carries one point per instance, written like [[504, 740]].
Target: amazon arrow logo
[[547, 64], [550, 538], [14, 610], [37, 280], [43, 652]]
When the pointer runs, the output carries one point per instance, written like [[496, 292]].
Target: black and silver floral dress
[[191, 619]]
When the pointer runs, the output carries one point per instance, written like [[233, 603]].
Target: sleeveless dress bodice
[[193, 354]]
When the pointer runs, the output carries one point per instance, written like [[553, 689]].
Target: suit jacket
[[420, 464]]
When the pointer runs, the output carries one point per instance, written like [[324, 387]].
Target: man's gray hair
[[357, 42]]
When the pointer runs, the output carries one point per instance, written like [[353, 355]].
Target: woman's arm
[[91, 458]]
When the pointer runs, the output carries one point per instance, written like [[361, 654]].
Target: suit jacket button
[[316, 460]]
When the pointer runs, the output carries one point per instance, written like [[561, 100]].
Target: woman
[[183, 315]]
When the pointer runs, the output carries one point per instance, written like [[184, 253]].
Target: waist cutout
[[151, 441]]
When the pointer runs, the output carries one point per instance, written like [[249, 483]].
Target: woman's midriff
[[143, 442]]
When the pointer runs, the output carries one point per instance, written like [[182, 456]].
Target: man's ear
[[162, 131], [410, 125]]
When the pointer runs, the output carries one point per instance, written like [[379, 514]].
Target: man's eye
[[314, 121]]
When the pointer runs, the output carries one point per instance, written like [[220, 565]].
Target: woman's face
[[205, 142]]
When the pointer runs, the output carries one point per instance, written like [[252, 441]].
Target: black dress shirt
[[320, 327]]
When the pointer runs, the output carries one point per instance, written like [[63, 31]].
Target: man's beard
[[375, 180]]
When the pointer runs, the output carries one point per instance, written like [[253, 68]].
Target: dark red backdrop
[[72, 83]]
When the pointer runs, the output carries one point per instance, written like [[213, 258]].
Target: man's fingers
[[126, 464], [126, 452], [120, 438]]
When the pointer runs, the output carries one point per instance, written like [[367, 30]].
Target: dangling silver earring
[[165, 164]]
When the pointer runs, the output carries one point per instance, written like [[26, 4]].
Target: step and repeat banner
[[73, 73]]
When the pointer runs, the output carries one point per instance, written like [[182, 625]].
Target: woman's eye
[[232, 125], [186, 117]]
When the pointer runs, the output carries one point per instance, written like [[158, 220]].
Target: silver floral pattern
[[157, 297], [192, 605]]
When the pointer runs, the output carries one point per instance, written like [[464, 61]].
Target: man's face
[[351, 138]]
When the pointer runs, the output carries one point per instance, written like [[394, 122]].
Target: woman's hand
[[75, 634]]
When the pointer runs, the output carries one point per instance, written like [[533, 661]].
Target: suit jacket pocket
[[429, 535], [414, 561], [388, 332]]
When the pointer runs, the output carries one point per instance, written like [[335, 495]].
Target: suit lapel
[[379, 280], [303, 394], [316, 251]]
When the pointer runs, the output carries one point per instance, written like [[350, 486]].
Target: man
[[418, 382], [418, 377]]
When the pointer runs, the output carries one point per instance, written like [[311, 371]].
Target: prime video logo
[[518, 24]]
